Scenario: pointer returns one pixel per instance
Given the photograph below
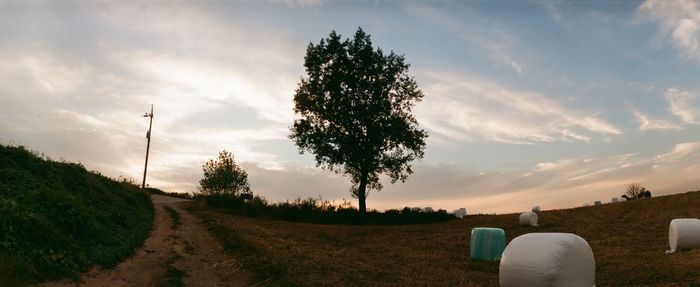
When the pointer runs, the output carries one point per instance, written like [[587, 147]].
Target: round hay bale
[[547, 259], [528, 218], [683, 234], [614, 200], [487, 243], [622, 199], [536, 208], [460, 213], [597, 202]]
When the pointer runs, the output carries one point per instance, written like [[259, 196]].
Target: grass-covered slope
[[628, 241], [57, 219]]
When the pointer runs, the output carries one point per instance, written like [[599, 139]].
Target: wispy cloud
[[680, 21], [497, 44], [648, 123], [461, 107], [684, 104]]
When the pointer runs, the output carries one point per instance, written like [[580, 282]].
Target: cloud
[[478, 32], [463, 108], [648, 123], [679, 20], [683, 104]]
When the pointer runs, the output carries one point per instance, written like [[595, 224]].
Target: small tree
[[355, 112], [636, 191], [223, 177], [633, 191]]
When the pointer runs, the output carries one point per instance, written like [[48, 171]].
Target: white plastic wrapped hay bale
[[536, 208], [622, 199], [460, 213], [683, 234], [528, 218], [547, 259]]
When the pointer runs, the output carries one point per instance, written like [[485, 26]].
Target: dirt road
[[185, 254]]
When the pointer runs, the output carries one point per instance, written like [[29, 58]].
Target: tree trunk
[[361, 193]]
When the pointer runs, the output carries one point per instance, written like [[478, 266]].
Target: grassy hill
[[56, 218], [628, 240]]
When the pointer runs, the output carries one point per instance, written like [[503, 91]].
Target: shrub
[[313, 210]]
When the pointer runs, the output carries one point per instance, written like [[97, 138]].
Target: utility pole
[[148, 146]]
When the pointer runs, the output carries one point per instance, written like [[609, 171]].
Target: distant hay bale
[[597, 202], [547, 259], [417, 209], [428, 209], [683, 234], [487, 243], [528, 218], [536, 208], [614, 200], [622, 199], [460, 213]]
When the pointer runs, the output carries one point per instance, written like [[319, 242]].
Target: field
[[628, 241], [58, 219]]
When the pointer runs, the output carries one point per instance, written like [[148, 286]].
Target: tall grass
[[57, 219]]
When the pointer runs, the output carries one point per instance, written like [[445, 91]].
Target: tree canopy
[[354, 112], [223, 176]]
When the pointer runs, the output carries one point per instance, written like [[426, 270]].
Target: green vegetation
[[628, 241], [152, 190], [57, 219], [354, 112], [320, 211], [223, 177], [175, 221]]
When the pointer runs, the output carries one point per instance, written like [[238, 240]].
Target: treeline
[[318, 211], [57, 218]]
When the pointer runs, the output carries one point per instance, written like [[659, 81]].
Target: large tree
[[354, 112], [223, 176]]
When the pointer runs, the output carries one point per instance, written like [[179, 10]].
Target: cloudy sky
[[550, 103]]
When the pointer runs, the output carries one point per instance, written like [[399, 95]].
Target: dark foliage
[[152, 190], [636, 191], [311, 210], [56, 218], [354, 111], [223, 176]]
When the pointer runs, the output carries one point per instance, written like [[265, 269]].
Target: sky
[[526, 102]]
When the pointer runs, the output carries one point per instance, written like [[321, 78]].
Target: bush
[[313, 210], [57, 219]]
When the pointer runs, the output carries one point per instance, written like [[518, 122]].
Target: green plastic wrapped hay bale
[[487, 243], [597, 202]]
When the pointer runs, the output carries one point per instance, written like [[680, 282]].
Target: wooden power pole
[[148, 146]]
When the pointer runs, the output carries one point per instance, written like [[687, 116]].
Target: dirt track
[[189, 248]]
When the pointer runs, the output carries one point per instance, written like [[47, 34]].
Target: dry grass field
[[628, 240]]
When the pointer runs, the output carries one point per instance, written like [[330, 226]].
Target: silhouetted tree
[[633, 191], [223, 177], [354, 112], [636, 191]]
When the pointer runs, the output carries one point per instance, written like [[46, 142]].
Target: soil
[[188, 247]]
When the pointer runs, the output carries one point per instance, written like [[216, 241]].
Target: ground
[[171, 256], [628, 240]]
